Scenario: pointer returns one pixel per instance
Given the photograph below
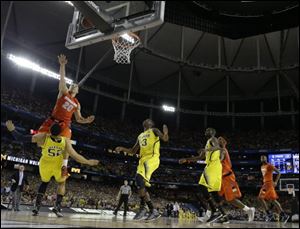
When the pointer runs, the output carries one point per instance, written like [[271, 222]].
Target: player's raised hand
[[182, 161], [10, 126], [93, 162], [91, 118], [119, 149], [62, 59], [165, 129]]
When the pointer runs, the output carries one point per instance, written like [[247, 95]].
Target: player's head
[[21, 168], [222, 142], [125, 182], [210, 132], [55, 129], [263, 158], [148, 123], [74, 89]]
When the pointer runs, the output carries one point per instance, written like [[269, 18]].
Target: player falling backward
[[211, 178], [148, 144], [267, 191], [53, 146], [66, 105], [229, 188]]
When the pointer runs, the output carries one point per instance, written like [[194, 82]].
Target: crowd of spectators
[[128, 131]]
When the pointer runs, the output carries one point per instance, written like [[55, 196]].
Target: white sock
[[246, 208], [65, 162], [208, 213]]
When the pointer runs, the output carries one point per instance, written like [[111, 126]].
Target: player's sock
[[65, 162], [58, 201], [150, 205], [38, 201], [246, 208], [142, 203]]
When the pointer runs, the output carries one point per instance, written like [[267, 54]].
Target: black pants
[[123, 199]]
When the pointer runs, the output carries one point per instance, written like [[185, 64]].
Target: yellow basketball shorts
[[212, 177], [49, 168], [147, 165]]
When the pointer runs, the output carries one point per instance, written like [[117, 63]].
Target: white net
[[123, 46]]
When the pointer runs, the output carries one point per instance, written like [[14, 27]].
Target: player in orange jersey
[[267, 191], [230, 189], [66, 105]]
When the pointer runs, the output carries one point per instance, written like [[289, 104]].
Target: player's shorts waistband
[[227, 174], [59, 121]]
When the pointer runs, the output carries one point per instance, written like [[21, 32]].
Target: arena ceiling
[[208, 62]]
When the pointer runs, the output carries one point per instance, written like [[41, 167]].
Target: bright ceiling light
[[128, 38], [168, 108], [70, 3], [22, 62]]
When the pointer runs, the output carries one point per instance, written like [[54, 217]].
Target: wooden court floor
[[10, 219]]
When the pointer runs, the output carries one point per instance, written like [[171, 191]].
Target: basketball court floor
[[23, 219]]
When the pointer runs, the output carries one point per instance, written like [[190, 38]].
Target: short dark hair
[[55, 129]]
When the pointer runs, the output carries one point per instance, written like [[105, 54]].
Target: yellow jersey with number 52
[[53, 148], [149, 144]]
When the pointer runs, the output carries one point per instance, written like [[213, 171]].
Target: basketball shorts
[[267, 192], [45, 127], [229, 188], [147, 165], [50, 169], [212, 177]]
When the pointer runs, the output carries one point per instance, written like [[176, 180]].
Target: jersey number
[[144, 142], [67, 106], [53, 153]]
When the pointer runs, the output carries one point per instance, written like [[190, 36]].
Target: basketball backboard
[[95, 21]]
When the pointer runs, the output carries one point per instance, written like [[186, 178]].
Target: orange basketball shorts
[[230, 188]]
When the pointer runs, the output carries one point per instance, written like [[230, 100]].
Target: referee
[[123, 196]]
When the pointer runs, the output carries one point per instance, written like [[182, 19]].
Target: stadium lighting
[[70, 3], [168, 108], [22, 62], [128, 38]]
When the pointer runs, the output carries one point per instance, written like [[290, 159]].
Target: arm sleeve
[[20, 137]]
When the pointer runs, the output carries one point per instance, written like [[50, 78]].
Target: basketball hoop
[[291, 189], [123, 45]]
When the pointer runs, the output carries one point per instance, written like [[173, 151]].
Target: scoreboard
[[285, 163]]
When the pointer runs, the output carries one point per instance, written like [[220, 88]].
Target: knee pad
[[139, 181], [43, 187]]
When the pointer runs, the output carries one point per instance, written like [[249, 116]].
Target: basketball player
[[148, 144], [66, 105], [53, 145], [230, 189], [267, 191], [211, 178]]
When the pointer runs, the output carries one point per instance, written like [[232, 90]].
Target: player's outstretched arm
[[129, 151], [37, 138], [277, 177], [201, 156], [77, 157], [163, 136], [62, 72], [81, 119]]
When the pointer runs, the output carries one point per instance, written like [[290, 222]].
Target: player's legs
[[66, 132], [61, 189], [46, 173], [40, 194], [231, 191], [145, 169]]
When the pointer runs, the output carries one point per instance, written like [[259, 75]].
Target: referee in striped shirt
[[123, 196]]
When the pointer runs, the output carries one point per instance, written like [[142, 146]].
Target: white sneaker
[[251, 214], [204, 218]]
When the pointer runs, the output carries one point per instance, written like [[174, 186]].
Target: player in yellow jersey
[[211, 178], [148, 145], [53, 146]]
